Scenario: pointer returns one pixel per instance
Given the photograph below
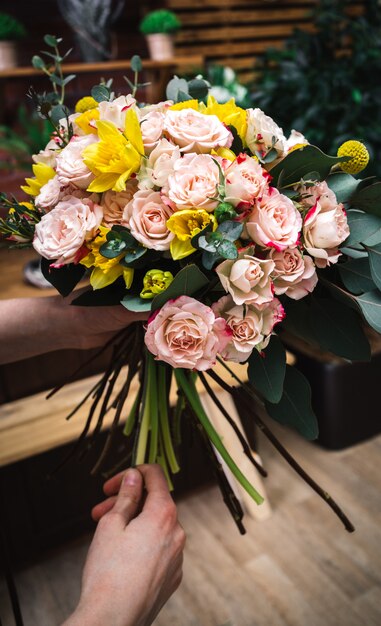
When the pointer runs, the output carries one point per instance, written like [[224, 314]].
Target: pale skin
[[134, 563]]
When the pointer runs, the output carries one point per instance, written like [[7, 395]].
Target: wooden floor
[[300, 568]]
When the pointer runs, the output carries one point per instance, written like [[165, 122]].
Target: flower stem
[[191, 394], [140, 455], [154, 418], [164, 421]]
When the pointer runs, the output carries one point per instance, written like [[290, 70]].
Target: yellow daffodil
[[86, 104], [105, 271], [228, 113], [87, 121], [187, 104], [43, 173], [116, 156], [186, 224], [359, 156], [154, 282]]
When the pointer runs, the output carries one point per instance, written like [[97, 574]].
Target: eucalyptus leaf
[[204, 244], [270, 156], [202, 233], [100, 93], [356, 275], [294, 408], [231, 230], [227, 250], [209, 259], [174, 86], [183, 96], [52, 41], [136, 63], [136, 304], [134, 254], [343, 185], [198, 88], [38, 63], [186, 282], [59, 112], [375, 263], [267, 370], [112, 249], [300, 162]]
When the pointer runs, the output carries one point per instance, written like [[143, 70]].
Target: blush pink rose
[[114, 202], [186, 334], [115, 111], [193, 183], [63, 231], [155, 170], [49, 195], [274, 222], [294, 273], [247, 279], [146, 216], [325, 225], [70, 167], [48, 154], [151, 126], [245, 181], [196, 132]]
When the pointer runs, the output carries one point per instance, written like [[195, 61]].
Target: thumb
[[130, 496]]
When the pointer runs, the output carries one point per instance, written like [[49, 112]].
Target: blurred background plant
[[91, 20], [10, 28], [225, 85], [29, 137], [160, 21], [326, 84]]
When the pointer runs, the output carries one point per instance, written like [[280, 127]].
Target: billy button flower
[[155, 282], [359, 156], [86, 104], [186, 224]]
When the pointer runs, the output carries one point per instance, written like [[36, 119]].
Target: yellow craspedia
[[86, 104], [359, 156]]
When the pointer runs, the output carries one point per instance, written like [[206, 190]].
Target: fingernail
[[131, 478]]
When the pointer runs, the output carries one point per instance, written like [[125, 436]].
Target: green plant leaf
[[136, 304], [198, 88], [134, 254], [186, 282], [368, 199], [113, 248], [231, 230], [356, 275], [38, 63], [65, 278], [361, 226], [136, 63], [294, 408], [52, 41], [338, 329], [209, 259], [343, 185], [100, 93], [375, 263], [267, 370], [59, 112], [300, 162], [370, 305], [174, 86], [227, 250]]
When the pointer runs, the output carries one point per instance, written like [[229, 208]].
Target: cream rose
[[114, 202], [247, 279], [245, 181], [186, 334], [71, 170], [295, 139], [325, 225], [48, 154], [61, 233], [155, 170], [293, 274], [151, 126], [49, 194], [115, 111], [146, 216], [274, 222], [193, 183], [196, 132], [263, 133]]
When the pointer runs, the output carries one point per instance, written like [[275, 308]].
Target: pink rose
[[71, 169], [247, 279], [115, 111], [155, 170], [274, 222], [325, 225], [186, 334], [146, 216], [294, 274], [245, 181], [48, 154], [151, 126], [193, 183], [196, 132], [62, 232], [49, 194], [114, 202], [263, 133]]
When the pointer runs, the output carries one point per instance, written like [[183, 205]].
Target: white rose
[[114, 202], [294, 274], [295, 139], [245, 181], [263, 133], [146, 216], [155, 170], [48, 154], [115, 111], [196, 132], [71, 168], [151, 126], [274, 222], [49, 194], [193, 183], [247, 279], [62, 232]]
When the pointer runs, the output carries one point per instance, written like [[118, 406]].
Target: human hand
[[134, 563]]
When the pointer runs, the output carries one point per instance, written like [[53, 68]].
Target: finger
[[112, 486], [99, 510], [156, 485], [130, 495]]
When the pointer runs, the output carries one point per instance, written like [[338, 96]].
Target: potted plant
[[159, 27], [10, 31]]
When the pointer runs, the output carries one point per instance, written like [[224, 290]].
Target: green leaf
[[38, 63], [267, 370], [198, 88], [52, 41], [269, 157], [194, 241], [338, 329], [69, 78], [100, 93], [209, 259], [112, 249], [231, 230], [227, 250], [368, 199], [204, 244], [300, 162], [375, 263], [343, 185], [294, 408], [356, 275], [174, 86], [370, 304], [136, 63], [361, 226], [58, 112], [183, 96], [136, 304], [237, 145], [134, 254], [186, 282], [65, 278]]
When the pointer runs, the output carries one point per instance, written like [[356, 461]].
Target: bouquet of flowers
[[225, 232]]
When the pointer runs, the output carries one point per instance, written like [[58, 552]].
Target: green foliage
[[226, 85], [219, 244], [120, 241], [308, 163], [186, 283], [19, 224], [30, 135], [10, 28], [180, 89], [325, 84], [160, 21], [267, 370]]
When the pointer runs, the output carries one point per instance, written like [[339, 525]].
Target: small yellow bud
[[359, 156], [86, 104], [154, 282]]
